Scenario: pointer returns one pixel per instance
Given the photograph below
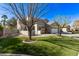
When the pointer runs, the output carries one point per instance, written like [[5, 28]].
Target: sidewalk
[[8, 54], [42, 35]]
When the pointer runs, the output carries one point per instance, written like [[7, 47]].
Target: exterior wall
[[39, 32], [18, 25], [36, 29], [24, 33]]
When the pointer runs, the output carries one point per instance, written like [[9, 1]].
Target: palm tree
[[4, 17]]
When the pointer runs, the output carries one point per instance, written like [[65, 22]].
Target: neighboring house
[[76, 25], [54, 28]]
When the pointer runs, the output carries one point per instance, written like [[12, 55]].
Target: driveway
[[70, 35], [76, 36]]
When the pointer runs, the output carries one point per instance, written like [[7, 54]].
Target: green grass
[[66, 42], [44, 46], [6, 43]]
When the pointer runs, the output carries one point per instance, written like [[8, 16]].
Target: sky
[[67, 9], [70, 10]]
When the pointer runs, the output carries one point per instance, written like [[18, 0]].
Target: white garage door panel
[[54, 31]]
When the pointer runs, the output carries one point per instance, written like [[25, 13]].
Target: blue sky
[[66, 9]]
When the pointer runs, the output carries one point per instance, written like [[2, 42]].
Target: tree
[[33, 11], [1, 30], [61, 22], [4, 17], [12, 22]]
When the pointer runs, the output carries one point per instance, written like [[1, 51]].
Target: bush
[[1, 28], [75, 31]]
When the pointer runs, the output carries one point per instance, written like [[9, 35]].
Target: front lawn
[[44, 46]]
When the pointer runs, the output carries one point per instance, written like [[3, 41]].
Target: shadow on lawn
[[6, 44]]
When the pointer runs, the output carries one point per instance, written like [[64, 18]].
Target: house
[[76, 25], [54, 28], [40, 27]]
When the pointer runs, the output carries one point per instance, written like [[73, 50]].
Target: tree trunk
[[46, 29], [29, 33], [58, 30]]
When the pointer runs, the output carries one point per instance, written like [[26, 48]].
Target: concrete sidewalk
[[71, 35], [42, 35]]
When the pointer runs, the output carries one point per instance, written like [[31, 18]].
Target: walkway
[[76, 36], [8, 54]]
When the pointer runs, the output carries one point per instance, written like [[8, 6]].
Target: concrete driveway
[[71, 35], [75, 36]]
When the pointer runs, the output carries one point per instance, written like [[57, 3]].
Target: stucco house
[[54, 28], [76, 25], [40, 27]]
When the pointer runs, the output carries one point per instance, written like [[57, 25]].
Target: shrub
[[1, 28]]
